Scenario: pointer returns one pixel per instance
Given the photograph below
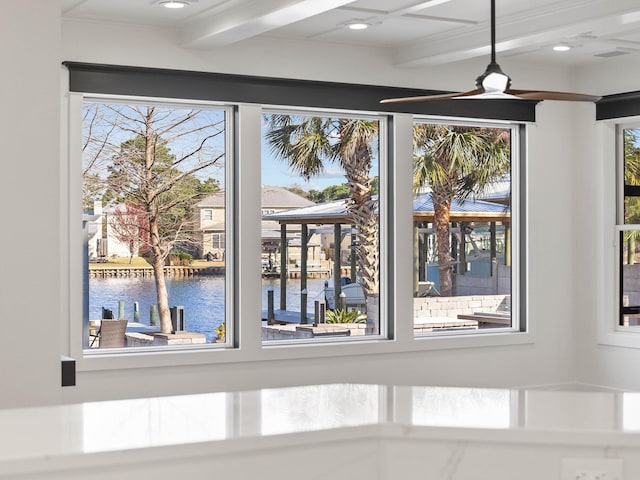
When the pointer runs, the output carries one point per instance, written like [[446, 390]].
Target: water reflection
[[461, 407], [151, 422]]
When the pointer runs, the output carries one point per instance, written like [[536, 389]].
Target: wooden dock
[[286, 317], [141, 272]]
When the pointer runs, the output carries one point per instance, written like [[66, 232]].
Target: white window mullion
[[78, 299], [402, 228], [248, 200]]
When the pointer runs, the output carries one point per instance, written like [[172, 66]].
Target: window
[[463, 221], [148, 171], [217, 241], [335, 231], [629, 228], [320, 246]]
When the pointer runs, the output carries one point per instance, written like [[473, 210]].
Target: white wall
[[30, 294], [594, 254], [33, 338]]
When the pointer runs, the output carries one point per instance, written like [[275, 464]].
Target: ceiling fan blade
[[424, 98], [546, 95]]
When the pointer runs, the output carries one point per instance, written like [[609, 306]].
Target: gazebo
[[335, 213], [322, 214], [462, 213]]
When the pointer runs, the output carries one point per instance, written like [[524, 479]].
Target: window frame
[[609, 330], [83, 353], [518, 222], [622, 192], [383, 221], [245, 122]]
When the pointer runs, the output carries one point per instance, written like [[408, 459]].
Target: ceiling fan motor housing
[[493, 79]]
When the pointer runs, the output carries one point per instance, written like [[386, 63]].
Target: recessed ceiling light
[[562, 48], [358, 25], [174, 4]]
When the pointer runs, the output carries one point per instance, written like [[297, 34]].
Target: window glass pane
[[631, 140], [631, 175], [462, 222], [629, 241], [630, 277], [153, 197], [632, 210], [320, 227]]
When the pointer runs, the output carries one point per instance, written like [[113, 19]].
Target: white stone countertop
[[49, 438]]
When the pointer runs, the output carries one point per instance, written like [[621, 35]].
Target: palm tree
[[456, 162], [308, 143]]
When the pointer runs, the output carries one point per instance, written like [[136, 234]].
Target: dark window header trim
[[619, 105], [189, 85]]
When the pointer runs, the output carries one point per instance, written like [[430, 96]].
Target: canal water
[[202, 297]]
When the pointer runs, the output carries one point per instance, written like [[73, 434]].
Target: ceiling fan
[[495, 84]]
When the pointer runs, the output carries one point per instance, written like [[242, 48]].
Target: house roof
[[214, 200], [272, 197], [279, 197]]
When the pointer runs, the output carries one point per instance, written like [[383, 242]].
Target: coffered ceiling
[[412, 32]]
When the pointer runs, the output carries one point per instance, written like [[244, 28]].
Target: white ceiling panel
[[416, 32]]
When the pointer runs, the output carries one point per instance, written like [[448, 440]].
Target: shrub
[[221, 333], [178, 257], [345, 316]]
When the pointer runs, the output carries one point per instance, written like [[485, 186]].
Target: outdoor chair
[[112, 333]]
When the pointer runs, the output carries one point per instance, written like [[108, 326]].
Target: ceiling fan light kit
[[495, 84]]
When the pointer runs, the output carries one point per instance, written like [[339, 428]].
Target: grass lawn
[[121, 262], [139, 262]]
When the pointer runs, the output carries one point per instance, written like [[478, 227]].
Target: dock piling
[[270, 316], [303, 306], [153, 315]]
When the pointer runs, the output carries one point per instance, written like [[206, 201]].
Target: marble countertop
[[37, 438]]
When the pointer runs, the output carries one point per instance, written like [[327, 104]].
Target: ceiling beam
[[527, 29], [247, 20]]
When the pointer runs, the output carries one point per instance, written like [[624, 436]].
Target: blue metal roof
[[424, 204]]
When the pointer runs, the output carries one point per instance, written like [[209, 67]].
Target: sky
[[274, 170]]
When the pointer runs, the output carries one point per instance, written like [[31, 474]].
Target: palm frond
[[302, 143]]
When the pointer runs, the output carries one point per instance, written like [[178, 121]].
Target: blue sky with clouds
[[275, 172]]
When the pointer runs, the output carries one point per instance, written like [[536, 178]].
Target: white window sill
[[627, 337], [122, 359]]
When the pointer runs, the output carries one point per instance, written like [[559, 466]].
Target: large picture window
[[275, 221], [463, 219], [154, 195], [320, 227]]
